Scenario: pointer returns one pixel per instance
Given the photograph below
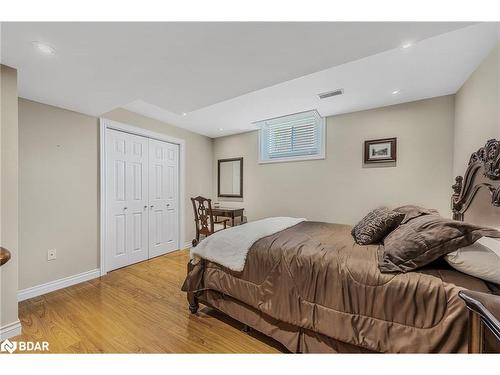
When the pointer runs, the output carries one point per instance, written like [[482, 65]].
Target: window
[[295, 137]]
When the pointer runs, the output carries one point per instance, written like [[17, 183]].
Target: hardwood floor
[[136, 309]]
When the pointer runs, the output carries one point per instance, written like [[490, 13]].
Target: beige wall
[[59, 166], [339, 189], [9, 193], [199, 159], [59, 174], [477, 111]]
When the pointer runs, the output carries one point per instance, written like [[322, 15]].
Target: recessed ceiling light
[[407, 45], [395, 92], [44, 48], [184, 113], [221, 129]]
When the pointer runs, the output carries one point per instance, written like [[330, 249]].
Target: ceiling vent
[[331, 93]]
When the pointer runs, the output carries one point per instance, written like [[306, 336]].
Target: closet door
[[127, 199], [163, 197]]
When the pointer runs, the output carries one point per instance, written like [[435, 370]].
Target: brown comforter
[[315, 277]]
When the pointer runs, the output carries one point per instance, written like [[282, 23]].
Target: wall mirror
[[230, 178]]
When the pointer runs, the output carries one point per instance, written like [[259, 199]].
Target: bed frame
[[482, 174], [476, 199]]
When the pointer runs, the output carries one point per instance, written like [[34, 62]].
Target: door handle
[[151, 206], [145, 206], [125, 208], [168, 204]]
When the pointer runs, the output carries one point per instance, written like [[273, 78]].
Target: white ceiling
[[228, 75]]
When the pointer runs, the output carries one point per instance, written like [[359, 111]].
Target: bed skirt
[[295, 339]]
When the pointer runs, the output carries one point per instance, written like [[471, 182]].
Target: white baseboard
[[57, 284], [188, 245], [10, 330]]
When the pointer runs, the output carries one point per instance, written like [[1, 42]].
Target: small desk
[[228, 212]]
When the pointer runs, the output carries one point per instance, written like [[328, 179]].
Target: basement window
[[300, 136]]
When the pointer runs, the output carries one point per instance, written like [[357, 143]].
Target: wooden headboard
[[476, 196]]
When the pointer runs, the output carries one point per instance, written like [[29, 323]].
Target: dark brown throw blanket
[[315, 277]]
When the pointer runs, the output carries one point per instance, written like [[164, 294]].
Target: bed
[[314, 290]]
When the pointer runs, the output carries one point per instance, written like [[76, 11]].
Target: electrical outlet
[[51, 254]]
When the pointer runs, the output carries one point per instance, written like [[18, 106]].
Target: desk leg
[[232, 220]]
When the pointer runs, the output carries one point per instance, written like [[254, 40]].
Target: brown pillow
[[412, 212], [374, 226], [426, 238]]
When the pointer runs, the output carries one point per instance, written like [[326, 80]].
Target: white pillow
[[481, 259]]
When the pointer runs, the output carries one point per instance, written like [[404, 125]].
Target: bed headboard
[[476, 197]]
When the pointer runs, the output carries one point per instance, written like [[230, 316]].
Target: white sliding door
[[163, 197], [127, 199], [142, 193]]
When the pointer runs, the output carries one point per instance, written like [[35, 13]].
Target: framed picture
[[380, 150]]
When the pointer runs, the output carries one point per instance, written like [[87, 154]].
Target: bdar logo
[[8, 346], [24, 346]]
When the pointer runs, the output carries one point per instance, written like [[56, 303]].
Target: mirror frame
[[240, 195]]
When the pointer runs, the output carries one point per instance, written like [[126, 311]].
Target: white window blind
[[299, 136]]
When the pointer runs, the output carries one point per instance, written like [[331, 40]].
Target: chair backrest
[[203, 216]]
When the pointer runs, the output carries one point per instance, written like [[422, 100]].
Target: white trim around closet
[[110, 124]]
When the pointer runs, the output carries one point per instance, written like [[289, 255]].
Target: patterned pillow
[[376, 225]]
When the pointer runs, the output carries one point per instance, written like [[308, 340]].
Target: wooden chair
[[204, 218]]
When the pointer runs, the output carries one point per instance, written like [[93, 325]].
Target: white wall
[[340, 189]]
